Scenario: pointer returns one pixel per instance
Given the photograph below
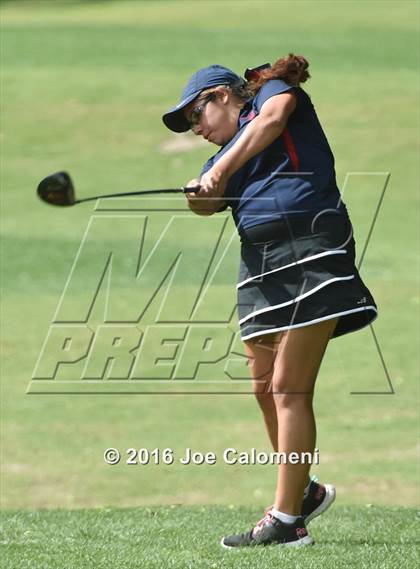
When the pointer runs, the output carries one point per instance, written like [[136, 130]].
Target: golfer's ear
[[222, 94]]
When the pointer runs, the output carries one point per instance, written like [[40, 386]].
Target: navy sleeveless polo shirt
[[294, 175]]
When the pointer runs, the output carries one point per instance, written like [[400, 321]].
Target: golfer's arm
[[259, 133]]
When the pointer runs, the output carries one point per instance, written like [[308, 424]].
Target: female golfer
[[298, 284]]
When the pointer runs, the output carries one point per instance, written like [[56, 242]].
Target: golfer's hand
[[213, 183], [202, 202], [192, 184]]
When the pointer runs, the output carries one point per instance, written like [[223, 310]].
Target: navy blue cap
[[204, 78]]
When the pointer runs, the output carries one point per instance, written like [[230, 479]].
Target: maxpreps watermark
[[149, 305]]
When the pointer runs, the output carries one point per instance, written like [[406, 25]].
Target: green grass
[[186, 538], [84, 86]]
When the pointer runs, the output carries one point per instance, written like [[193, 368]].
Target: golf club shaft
[[193, 189]]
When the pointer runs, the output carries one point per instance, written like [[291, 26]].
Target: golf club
[[58, 189]]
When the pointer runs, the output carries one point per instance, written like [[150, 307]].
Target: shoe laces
[[266, 519]]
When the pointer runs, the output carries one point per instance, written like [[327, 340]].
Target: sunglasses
[[197, 111]]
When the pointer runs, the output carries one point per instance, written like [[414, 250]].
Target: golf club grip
[[193, 189]]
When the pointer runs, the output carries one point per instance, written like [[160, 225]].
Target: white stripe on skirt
[[309, 322], [317, 256], [294, 300]]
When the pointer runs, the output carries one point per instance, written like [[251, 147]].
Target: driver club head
[[57, 189]]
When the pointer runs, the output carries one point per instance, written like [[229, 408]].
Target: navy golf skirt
[[298, 271]]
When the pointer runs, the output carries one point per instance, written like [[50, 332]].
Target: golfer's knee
[[299, 402], [288, 391]]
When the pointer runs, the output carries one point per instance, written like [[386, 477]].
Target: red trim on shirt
[[291, 149]]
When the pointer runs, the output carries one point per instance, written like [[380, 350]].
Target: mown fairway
[[84, 86], [185, 538]]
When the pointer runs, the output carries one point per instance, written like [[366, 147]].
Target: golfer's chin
[[222, 138], [217, 140]]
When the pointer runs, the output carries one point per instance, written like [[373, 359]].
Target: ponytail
[[291, 69]]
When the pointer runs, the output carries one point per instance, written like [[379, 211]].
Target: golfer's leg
[[296, 366], [261, 355]]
